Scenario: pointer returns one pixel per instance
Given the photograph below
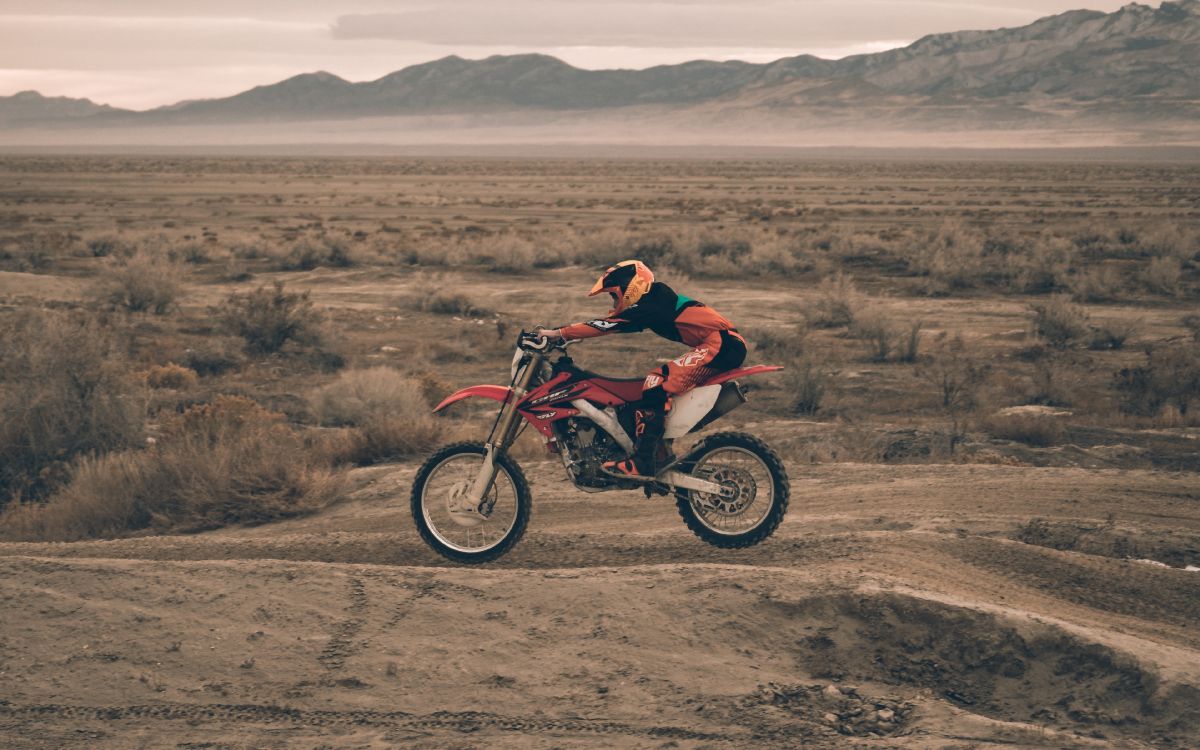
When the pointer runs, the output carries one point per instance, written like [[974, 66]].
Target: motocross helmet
[[625, 282]]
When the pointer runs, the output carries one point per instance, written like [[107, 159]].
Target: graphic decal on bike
[[563, 394]]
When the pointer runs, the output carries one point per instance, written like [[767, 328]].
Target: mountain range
[[1138, 64]]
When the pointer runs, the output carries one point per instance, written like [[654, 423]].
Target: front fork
[[503, 435]]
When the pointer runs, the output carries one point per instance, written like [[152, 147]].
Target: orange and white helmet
[[625, 282]]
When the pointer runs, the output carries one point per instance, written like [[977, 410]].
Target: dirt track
[[893, 609]]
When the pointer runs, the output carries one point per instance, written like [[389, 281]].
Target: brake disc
[[741, 484]]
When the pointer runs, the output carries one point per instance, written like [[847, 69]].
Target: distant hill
[[1139, 65], [28, 107]]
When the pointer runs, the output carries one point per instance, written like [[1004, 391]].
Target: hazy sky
[[143, 53]]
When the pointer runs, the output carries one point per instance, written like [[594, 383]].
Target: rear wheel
[[469, 535], [758, 485]]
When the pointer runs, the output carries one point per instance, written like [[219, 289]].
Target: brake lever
[[533, 342]]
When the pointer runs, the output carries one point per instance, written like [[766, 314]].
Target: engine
[[587, 448]]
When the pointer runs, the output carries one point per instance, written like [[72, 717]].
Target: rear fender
[[744, 372]]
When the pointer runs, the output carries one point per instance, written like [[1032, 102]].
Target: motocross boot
[[650, 425]]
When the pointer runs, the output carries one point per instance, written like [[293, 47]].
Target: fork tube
[[505, 432]]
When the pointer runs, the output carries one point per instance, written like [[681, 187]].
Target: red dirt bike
[[471, 501]]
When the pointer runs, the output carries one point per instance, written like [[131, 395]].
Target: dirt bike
[[471, 501]]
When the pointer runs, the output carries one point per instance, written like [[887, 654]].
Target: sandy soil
[[893, 609]]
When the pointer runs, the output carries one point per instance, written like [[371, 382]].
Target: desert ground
[[989, 420]]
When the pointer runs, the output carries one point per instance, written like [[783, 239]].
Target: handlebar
[[534, 342]]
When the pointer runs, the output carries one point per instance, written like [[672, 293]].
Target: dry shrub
[[432, 297], [267, 319], [878, 333], [64, 393], [886, 340], [1157, 240], [729, 253], [1032, 429], [35, 251], [837, 303], [911, 346], [955, 374], [1111, 335], [104, 246], [1052, 380], [1059, 322], [1163, 276], [390, 412], [806, 383], [1170, 378], [171, 376], [195, 253], [1097, 284], [390, 437], [1192, 324], [610, 245], [143, 282], [784, 342], [214, 355], [1168, 240], [357, 396], [952, 258], [1044, 267], [313, 252], [507, 253], [223, 463], [504, 252]]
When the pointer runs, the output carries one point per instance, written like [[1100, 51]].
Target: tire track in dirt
[[536, 551], [461, 721], [425, 586], [1118, 586], [341, 645]]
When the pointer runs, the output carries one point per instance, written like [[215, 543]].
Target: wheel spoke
[[750, 479], [465, 532]]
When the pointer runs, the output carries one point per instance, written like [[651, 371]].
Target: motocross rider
[[640, 302]]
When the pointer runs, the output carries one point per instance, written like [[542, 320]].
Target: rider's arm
[[630, 320], [593, 328], [578, 331]]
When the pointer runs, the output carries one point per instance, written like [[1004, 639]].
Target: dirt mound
[[1008, 669], [1176, 549], [728, 655]]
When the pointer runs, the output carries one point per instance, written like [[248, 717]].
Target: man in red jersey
[[640, 302]]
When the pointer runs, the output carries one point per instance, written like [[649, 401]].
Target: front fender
[[494, 392]]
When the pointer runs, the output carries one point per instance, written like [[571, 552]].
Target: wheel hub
[[458, 504], [740, 490]]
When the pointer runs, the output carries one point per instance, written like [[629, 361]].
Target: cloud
[[675, 23], [141, 53]]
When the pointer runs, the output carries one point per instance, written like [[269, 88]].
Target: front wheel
[[758, 502], [485, 533]]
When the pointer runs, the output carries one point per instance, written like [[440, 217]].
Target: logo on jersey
[[692, 358], [652, 381], [602, 325]]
